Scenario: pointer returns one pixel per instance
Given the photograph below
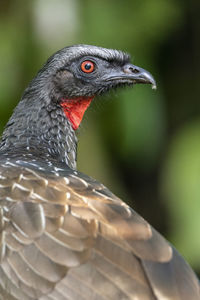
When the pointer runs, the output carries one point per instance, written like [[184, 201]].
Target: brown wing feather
[[71, 238]]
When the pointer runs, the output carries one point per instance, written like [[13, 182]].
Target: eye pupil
[[87, 66]]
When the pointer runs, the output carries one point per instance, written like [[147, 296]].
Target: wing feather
[[68, 237]]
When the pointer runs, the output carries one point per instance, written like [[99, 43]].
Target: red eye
[[87, 66]]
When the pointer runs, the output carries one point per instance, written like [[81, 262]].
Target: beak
[[134, 74]]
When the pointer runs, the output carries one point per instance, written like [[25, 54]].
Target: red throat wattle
[[74, 109]]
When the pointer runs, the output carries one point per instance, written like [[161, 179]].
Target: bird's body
[[64, 235]]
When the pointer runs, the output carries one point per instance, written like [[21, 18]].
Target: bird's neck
[[40, 129]]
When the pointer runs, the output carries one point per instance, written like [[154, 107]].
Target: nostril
[[134, 70]]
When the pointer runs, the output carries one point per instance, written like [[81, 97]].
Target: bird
[[64, 235]]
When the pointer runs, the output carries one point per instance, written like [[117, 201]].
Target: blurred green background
[[143, 144]]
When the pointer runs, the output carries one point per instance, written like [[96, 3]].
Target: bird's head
[[75, 75], [53, 105]]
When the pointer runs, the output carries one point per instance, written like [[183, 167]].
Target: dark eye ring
[[87, 66]]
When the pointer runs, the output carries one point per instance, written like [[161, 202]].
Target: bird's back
[[65, 236]]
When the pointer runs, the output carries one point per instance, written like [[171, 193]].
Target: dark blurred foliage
[[144, 145]]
